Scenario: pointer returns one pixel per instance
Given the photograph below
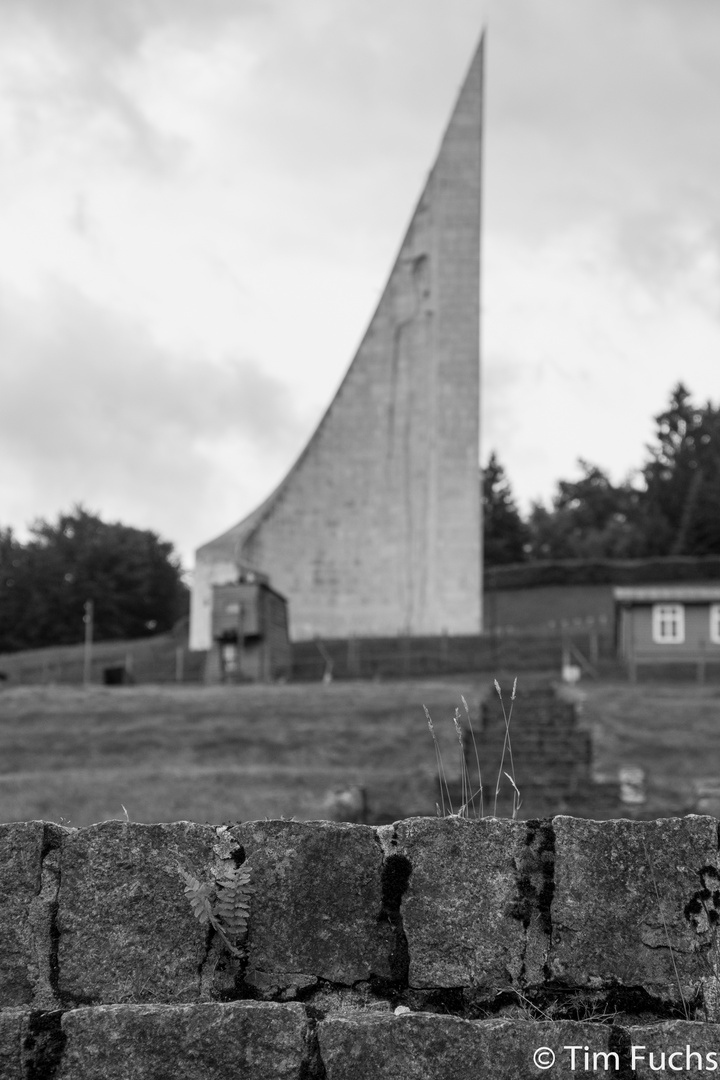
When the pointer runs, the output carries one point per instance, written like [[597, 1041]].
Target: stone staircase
[[551, 757]]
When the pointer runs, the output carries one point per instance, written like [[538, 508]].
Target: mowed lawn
[[220, 754], [671, 730], [236, 753]]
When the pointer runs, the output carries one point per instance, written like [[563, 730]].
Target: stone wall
[[429, 948]]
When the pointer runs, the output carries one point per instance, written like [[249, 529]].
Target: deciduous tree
[[590, 518], [132, 576]]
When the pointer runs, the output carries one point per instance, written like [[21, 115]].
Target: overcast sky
[[200, 201]]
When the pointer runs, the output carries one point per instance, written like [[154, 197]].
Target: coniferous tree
[[504, 532], [14, 593], [681, 502], [676, 511]]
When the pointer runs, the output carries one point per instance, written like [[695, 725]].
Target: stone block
[[635, 903], [12, 1028], [477, 902], [209, 1041], [24, 947], [424, 1046], [673, 1048], [315, 910], [127, 932]]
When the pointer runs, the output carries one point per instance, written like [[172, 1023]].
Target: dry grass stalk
[[667, 935], [468, 796], [507, 748], [440, 768], [477, 759]]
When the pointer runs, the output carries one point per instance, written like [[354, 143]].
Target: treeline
[[669, 506], [132, 576]]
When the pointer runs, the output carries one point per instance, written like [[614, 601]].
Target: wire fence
[[161, 659], [165, 659], [412, 657]]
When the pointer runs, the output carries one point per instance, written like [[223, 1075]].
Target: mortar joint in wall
[[395, 877], [535, 887], [312, 1066], [619, 1042], [43, 1045], [43, 921]]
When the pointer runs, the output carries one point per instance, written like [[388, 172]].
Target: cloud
[[216, 191], [84, 76], [62, 91], [582, 351], [602, 110], [93, 411], [97, 31], [668, 254]]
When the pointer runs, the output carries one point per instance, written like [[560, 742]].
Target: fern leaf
[[236, 877], [232, 904], [200, 894], [224, 903]]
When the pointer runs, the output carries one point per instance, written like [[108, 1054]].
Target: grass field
[[222, 754], [237, 753], [672, 731]]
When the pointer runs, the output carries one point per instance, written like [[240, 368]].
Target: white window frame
[[715, 624], [668, 624]]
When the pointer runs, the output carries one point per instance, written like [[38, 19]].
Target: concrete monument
[[376, 528]]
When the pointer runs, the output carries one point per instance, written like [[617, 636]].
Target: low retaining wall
[[428, 948]]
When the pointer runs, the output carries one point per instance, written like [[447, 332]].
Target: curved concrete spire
[[376, 528]]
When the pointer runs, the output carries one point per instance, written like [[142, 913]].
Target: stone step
[[262, 1040], [277, 1041], [529, 756], [558, 712]]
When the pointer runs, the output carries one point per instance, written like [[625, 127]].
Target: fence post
[[179, 664], [87, 650], [444, 649], [632, 663], [352, 657], [594, 647], [701, 665], [404, 648], [328, 672]]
